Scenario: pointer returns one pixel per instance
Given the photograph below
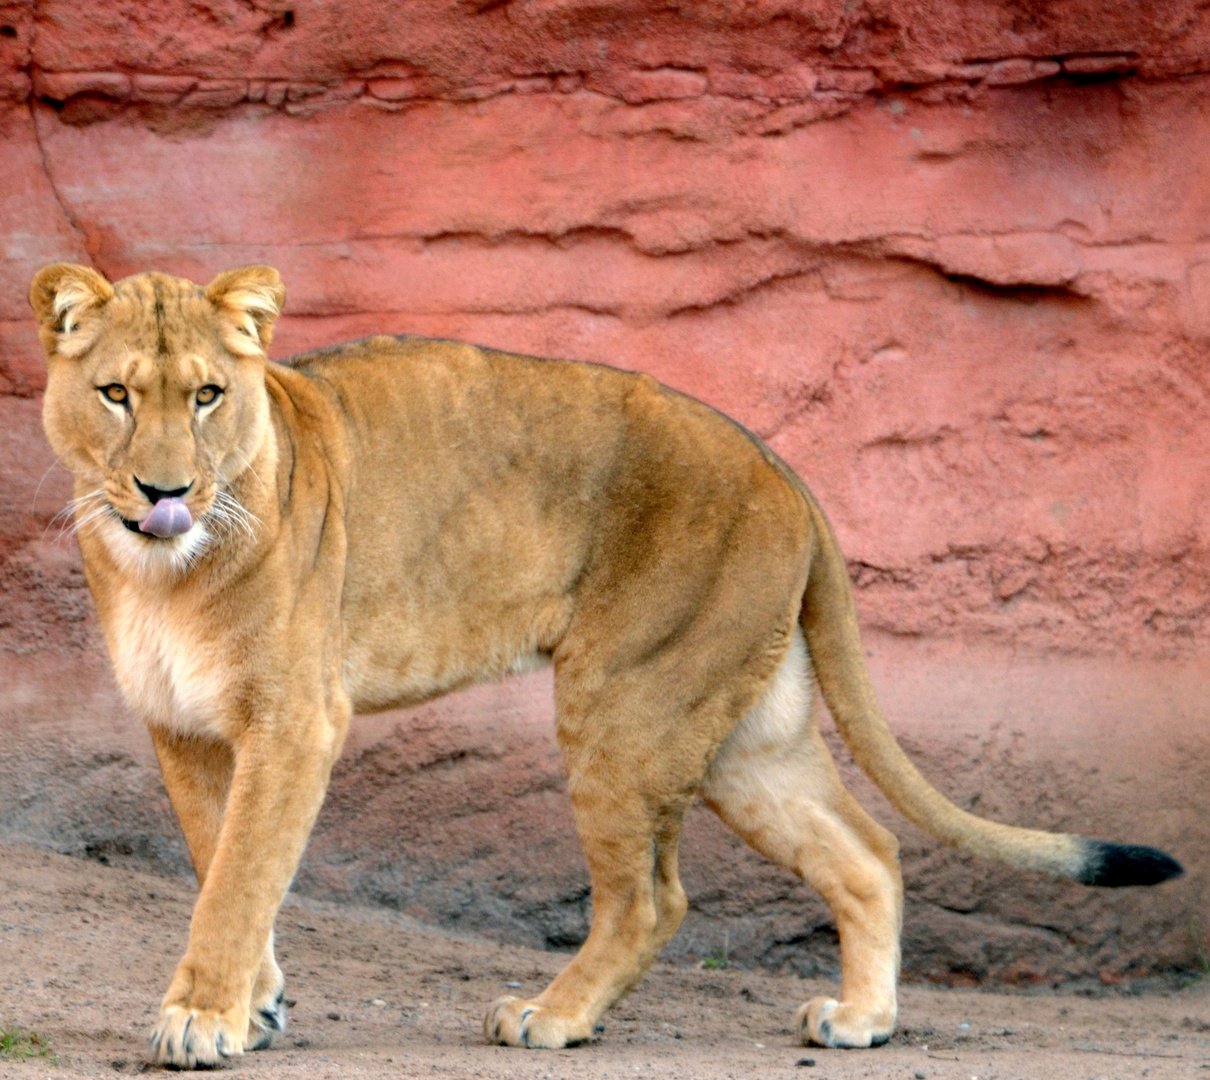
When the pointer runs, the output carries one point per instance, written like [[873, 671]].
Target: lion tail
[[829, 621]]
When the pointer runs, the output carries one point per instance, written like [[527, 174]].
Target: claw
[[272, 1015]]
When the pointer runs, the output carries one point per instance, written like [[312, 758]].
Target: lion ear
[[66, 298], [251, 298]]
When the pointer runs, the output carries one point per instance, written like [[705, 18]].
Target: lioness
[[274, 547]]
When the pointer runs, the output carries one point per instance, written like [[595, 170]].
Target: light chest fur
[[171, 676]]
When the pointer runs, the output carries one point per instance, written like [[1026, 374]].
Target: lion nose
[[155, 494]]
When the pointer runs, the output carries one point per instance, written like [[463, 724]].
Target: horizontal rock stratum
[[951, 261]]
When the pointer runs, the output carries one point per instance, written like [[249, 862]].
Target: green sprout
[[18, 1045], [719, 958]]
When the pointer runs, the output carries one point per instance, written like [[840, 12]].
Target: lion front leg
[[197, 775], [278, 779]]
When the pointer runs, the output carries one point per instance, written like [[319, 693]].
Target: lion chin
[[273, 547], [153, 559]]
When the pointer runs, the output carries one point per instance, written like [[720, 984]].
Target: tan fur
[[386, 521]]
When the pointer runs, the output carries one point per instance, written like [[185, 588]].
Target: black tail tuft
[[1114, 865]]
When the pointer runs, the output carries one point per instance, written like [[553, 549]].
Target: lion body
[[496, 498], [380, 523]]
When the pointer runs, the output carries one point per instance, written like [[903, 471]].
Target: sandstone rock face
[[951, 261]]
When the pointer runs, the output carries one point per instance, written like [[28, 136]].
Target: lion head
[[156, 400]]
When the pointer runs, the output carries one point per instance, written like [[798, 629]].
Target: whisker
[[243, 460], [38, 490], [62, 515], [229, 512], [83, 500], [73, 527], [87, 502]]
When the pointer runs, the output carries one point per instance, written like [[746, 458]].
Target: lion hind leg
[[774, 782], [638, 903], [630, 785]]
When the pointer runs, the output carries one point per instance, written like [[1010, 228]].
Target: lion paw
[[514, 1022], [188, 1038], [267, 1017], [826, 1022], [267, 1021]]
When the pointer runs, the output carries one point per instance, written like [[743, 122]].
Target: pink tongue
[[169, 517]]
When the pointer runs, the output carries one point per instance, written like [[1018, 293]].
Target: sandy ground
[[86, 950]]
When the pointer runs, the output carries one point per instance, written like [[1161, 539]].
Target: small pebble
[[964, 1026], [513, 985], [378, 1003], [333, 1016], [805, 1061], [919, 1075]]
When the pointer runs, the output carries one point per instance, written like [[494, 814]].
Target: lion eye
[[115, 392], [208, 395]]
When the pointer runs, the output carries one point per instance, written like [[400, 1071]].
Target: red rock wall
[[951, 260]]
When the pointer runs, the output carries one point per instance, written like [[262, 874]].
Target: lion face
[[156, 401]]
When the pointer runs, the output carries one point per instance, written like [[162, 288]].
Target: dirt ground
[[87, 949]]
